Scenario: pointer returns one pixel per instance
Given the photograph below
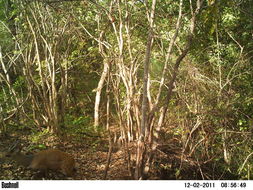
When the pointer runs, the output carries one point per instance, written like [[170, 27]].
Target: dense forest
[[126, 89]]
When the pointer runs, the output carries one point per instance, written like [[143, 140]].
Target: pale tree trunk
[[51, 92], [62, 95], [109, 155], [141, 149], [102, 46], [53, 99], [47, 91], [126, 72], [6, 78], [170, 85], [99, 91], [154, 108], [149, 125]]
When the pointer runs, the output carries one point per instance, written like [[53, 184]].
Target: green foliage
[[6, 13], [81, 128], [36, 146], [81, 125], [212, 97], [37, 136], [5, 37], [78, 122], [19, 84], [230, 17]]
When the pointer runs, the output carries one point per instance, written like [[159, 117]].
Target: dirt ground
[[90, 161]]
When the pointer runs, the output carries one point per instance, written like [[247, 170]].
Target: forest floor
[[91, 160]]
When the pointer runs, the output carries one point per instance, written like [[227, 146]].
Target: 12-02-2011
[[199, 185]]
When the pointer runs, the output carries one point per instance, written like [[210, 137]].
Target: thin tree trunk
[[177, 64], [141, 149], [98, 93], [109, 155]]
